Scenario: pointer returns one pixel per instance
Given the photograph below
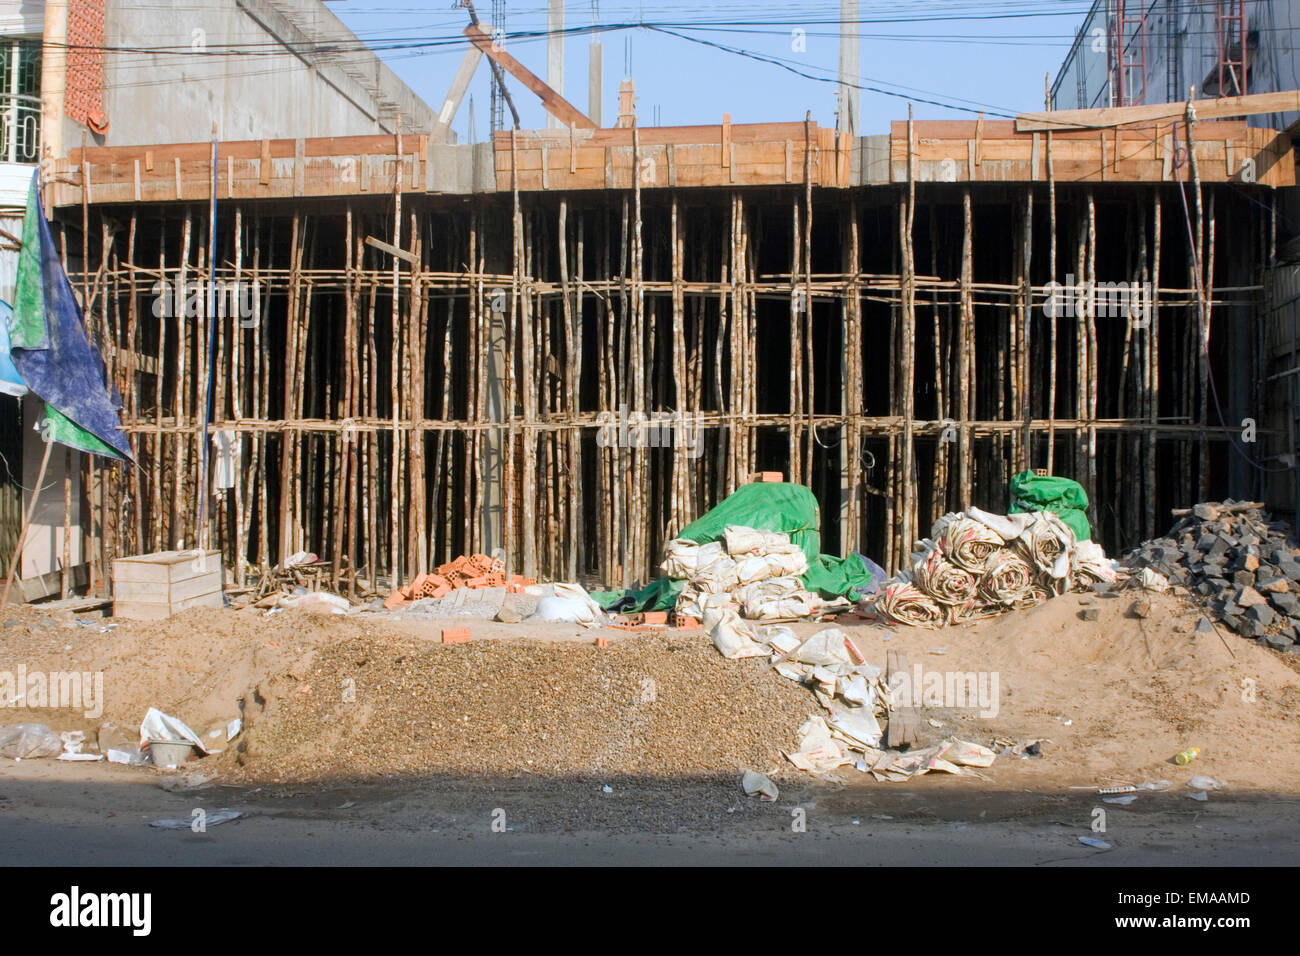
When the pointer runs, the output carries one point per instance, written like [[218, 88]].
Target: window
[[20, 101]]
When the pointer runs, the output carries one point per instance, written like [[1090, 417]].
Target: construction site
[[608, 458], [424, 368]]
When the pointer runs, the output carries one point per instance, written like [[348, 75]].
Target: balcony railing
[[20, 128]]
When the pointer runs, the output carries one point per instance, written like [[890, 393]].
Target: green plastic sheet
[[1064, 497], [768, 506]]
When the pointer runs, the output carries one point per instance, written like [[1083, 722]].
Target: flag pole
[[27, 520]]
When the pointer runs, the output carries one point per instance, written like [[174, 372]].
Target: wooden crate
[[153, 586]]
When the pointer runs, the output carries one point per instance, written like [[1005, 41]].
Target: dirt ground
[[363, 719]]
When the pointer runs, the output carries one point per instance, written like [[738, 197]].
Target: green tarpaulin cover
[[767, 506], [1064, 497]]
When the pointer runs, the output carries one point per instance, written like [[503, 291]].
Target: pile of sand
[[328, 697]]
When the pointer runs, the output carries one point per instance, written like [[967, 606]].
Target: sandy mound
[[346, 697]]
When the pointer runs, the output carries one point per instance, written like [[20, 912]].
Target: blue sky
[[969, 53]]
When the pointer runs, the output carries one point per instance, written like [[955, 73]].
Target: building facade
[[94, 73]]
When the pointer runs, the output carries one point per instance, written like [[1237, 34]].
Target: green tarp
[[767, 506], [1063, 497]]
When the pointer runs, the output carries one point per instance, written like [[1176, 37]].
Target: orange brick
[[774, 477], [396, 599], [655, 617], [418, 583], [455, 635], [601, 642], [686, 622], [476, 583]]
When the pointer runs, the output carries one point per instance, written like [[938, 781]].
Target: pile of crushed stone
[[659, 707]]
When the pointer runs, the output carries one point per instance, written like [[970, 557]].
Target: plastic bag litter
[[818, 752], [1149, 579], [1091, 565], [754, 782], [858, 724], [333, 602], [567, 604], [1204, 783], [780, 637], [966, 754], [855, 690], [825, 648], [215, 818], [159, 726], [826, 680], [72, 743], [559, 610], [733, 638], [27, 741], [129, 754]]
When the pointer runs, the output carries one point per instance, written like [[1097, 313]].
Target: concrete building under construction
[[564, 344]]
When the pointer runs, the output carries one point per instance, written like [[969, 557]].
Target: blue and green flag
[[50, 350]]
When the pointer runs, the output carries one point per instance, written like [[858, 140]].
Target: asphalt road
[[94, 815]]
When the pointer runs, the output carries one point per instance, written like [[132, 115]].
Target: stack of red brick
[[473, 571]]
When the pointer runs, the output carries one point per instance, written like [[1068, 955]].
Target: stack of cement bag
[[852, 695], [756, 572], [976, 564]]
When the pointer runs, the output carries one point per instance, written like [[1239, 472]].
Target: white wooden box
[[153, 586]]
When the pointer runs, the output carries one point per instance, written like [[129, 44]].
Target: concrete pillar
[[54, 76], [554, 53], [850, 66], [596, 83]]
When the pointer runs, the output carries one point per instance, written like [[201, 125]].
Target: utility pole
[[850, 67], [554, 53], [595, 74]]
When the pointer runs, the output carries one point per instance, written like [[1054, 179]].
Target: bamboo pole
[[395, 569], [907, 216], [966, 348], [21, 540], [1052, 309]]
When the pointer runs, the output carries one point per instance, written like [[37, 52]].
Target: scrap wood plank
[[552, 102], [1287, 101], [904, 726]]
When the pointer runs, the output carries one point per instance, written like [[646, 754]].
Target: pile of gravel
[[1240, 562], [656, 706]]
